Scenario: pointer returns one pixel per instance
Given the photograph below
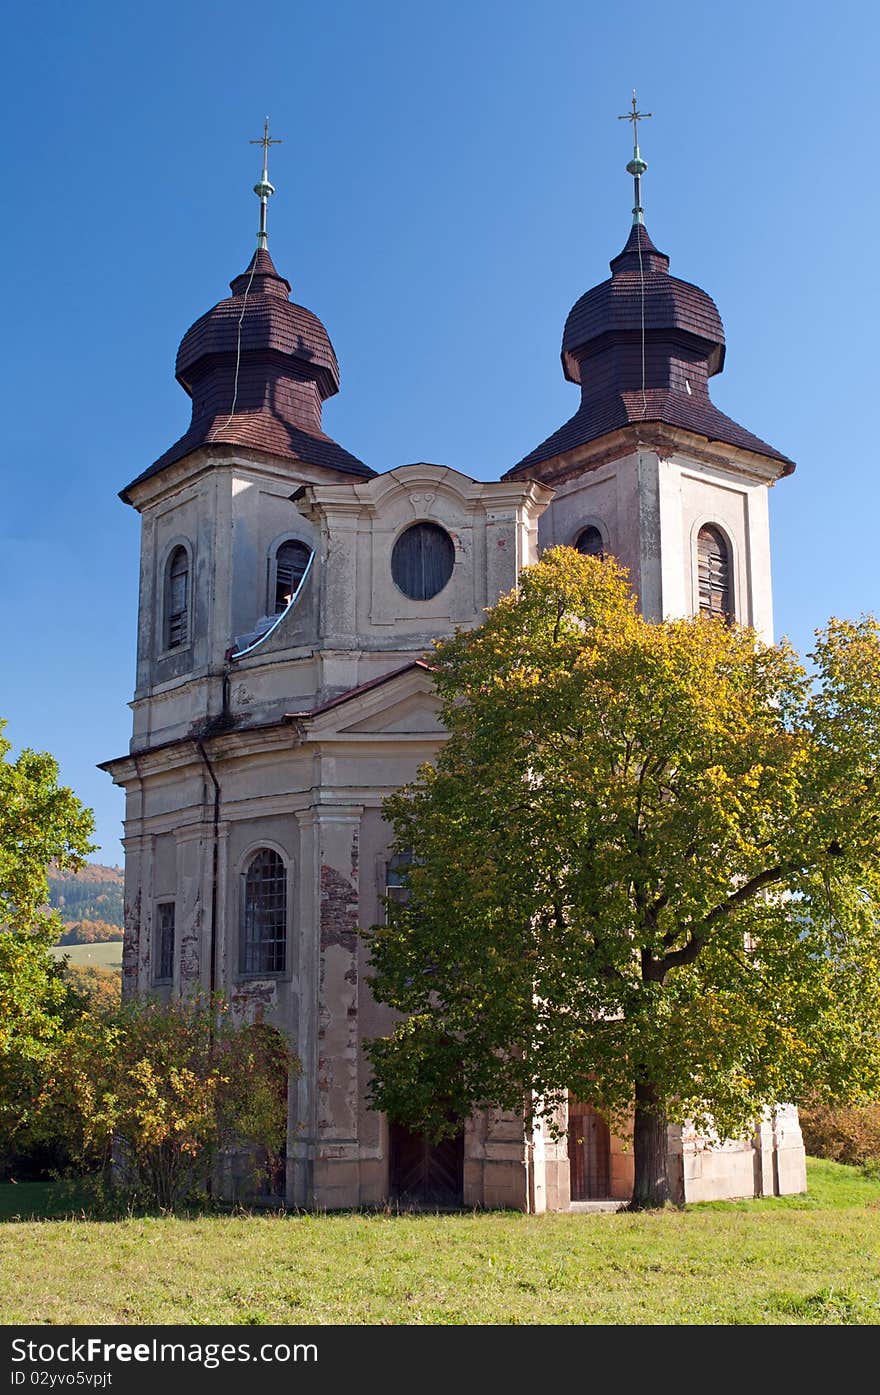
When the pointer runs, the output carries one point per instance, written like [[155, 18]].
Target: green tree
[[162, 1089], [40, 822], [647, 871]]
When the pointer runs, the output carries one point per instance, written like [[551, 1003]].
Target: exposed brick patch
[[339, 908]]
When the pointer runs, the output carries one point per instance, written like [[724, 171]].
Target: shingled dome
[[286, 369], [642, 346]]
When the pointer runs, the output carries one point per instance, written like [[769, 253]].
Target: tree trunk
[[651, 1185]]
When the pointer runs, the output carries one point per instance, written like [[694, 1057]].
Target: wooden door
[[589, 1153], [426, 1174]]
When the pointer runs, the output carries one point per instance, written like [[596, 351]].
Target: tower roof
[[259, 368], [642, 346]]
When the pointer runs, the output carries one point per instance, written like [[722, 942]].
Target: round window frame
[[438, 527]]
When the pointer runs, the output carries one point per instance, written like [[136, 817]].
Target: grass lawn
[[812, 1259], [107, 954]]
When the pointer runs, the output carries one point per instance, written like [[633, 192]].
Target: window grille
[[291, 561], [165, 942], [713, 573], [177, 599], [590, 543], [422, 561], [264, 915]]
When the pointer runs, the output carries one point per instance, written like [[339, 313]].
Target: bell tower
[[648, 468], [220, 532]]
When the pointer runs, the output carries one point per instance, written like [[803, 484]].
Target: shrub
[[847, 1135], [161, 1089]]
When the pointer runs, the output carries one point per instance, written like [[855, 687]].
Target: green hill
[[106, 956], [94, 893]]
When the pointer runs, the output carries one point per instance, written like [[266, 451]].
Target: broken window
[[177, 599], [714, 573], [291, 561], [590, 542]]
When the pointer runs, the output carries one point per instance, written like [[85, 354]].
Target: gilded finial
[[264, 190], [637, 165]]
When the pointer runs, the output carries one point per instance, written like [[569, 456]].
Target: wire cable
[[247, 288]]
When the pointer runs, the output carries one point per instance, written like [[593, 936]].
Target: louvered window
[[714, 573], [422, 561], [589, 542], [291, 561], [264, 915], [164, 942], [177, 599]]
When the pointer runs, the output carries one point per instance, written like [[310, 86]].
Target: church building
[[289, 596]]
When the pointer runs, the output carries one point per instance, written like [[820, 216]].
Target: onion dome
[[642, 347], [258, 369]]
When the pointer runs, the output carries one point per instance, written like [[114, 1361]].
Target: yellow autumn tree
[[646, 870]]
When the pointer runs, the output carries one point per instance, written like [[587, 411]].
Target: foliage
[[98, 990], [93, 893], [846, 1135], [162, 1088], [647, 869], [40, 821], [90, 932]]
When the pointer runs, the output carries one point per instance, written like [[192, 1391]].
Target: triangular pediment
[[403, 704], [419, 712]]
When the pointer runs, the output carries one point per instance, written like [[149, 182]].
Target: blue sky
[[451, 180]]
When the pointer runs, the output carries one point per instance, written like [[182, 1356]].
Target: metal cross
[[264, 190], [265, 141], [635, 116]]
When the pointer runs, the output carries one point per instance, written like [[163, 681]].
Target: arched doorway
[[424, 1173], [589, 1152]]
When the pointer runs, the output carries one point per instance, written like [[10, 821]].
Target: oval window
[[422, 561]]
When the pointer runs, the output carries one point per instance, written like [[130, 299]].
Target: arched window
[[291, 561], [177, 599], [422, 561], [714, 573], [589, 542], [264, 914]]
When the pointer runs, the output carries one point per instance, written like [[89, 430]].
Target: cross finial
[[637, 165], [264, 190]]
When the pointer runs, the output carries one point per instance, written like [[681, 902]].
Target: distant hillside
[[95, 893]]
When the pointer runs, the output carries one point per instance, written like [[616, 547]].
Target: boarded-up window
[[589, 542], [264, 915], [422, 561], [714, 573], [291, 561], [164, 942], [177, 599]]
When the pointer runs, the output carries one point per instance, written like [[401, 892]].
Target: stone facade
[[282, 733]]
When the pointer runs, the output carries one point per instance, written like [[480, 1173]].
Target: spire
[[637, 165], [264, 190]]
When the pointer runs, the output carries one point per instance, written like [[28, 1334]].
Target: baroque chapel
[[289, 596]]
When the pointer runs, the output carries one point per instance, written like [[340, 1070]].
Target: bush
[[98, 990], [160, 1090], [846, 1135]]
